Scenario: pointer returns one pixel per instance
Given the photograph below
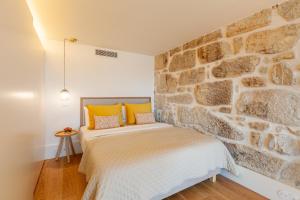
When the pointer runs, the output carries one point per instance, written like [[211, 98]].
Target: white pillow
[[86, 117], [104, 122], [144, 118]]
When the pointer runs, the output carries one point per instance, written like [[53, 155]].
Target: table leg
[[61, 142], [213, 179], [67, 146], [72, 146]]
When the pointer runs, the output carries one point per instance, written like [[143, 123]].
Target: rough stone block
[[237, 44], [258, 20], [181, 89], [255, 138], [263, 70], [183, 61], [240, 119], [254, 160], [214, 93], [161, 61], [275, 105], [160, 101], [175, 50], [225, 109], [167, 116], [291, 174], [210, 37], [289, 10], [253, 82], [213, 52], [283, 144], [284, 56], [260, 126], [281, 75], [208, 122], [236, 67], [181, 99], [192, 76], [294, 131], [269, 142], [273, 41], [166, 84]]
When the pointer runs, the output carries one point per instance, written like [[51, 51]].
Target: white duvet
[[87, 135], [140, 164]]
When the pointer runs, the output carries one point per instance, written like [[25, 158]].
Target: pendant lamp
[[64, 93]]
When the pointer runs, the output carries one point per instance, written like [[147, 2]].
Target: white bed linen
[[87, 135], [159, 157]]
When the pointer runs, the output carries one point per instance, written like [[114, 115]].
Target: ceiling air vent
[[101, 52]]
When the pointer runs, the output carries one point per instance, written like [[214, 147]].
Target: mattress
[[148, 161]]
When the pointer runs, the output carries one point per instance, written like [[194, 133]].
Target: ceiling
[[141, 26]]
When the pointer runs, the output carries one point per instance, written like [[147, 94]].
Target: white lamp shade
[[65, 95]]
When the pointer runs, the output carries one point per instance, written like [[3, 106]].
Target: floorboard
[[60, 180]]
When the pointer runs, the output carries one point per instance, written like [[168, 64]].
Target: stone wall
[[241, 83]]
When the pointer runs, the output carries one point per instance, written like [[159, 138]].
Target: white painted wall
[[21, 92], [88, 75]]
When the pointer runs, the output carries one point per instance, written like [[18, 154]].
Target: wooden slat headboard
[[108, 100]]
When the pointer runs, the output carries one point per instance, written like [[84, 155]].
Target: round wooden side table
[[67, 137]]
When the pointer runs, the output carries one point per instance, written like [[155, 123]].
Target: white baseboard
[[263, 185], [50, 150]]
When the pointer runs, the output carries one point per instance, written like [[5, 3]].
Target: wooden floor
[[59, 180]]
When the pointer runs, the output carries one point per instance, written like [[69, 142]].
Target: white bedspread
[[142, 164], [87, 135]]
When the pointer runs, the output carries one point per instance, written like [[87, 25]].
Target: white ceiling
[[142, 26]]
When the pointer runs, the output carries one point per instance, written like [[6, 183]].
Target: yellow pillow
[[131, 109], [104, 110]]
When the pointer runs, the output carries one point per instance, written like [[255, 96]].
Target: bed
[[151, 161]]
